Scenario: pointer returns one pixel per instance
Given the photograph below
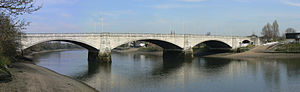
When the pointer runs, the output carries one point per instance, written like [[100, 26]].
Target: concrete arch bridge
[[101, 44]]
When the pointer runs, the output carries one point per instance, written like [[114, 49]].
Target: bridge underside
[[170, 50], [217, 44], [163, 44]]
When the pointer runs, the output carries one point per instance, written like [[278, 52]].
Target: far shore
[[135, 50], [256, 55], [259, 52], [46, 51]]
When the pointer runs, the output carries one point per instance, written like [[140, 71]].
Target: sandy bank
[[32, 78], [257, 52]]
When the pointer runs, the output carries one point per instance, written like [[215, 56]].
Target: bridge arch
[[215, 44], [79, 43], [162, 43], [245, 41]]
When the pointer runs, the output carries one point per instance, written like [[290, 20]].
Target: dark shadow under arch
[[246, 41], [163, 44], [216, 44], [90, 48], [211, 47]]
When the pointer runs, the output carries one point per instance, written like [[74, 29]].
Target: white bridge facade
[[105, 42]]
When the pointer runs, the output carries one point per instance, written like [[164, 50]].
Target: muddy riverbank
[[28, 77]]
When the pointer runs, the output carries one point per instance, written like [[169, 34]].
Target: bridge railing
[[126, 34]]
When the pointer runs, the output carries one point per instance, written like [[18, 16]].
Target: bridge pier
[[104, 57], [99, 57], [188, 54]]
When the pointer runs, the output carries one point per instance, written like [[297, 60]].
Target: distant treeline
[[54, 45]]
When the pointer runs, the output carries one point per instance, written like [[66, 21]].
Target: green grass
[[5, 74], [243, 49], [293, 47], [4, 61]]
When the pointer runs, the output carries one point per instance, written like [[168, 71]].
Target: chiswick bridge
[[101, 44]]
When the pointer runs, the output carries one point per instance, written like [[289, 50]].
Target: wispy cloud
[[65, 15], [292, 3], [55, 2], [114, 14], [241, 0], [192, 0], [170, 6]]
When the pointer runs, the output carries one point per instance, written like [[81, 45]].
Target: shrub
[[5, 75], [292, 47]]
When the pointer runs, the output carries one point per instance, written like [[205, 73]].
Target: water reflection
[[131, 72]]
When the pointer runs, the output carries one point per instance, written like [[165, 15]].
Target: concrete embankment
[[28, 77]]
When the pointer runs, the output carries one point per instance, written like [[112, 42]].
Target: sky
[[219, 17]]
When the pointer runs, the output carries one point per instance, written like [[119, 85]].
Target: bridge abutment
[[104, 57], [188, 53]]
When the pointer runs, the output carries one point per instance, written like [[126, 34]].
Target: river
[[136, 72]]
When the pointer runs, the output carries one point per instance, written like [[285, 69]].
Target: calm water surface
[[132, 72]]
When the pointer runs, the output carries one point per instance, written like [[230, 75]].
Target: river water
[[136, 72]]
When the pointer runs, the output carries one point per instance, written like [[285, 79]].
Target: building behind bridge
[[292, 37]]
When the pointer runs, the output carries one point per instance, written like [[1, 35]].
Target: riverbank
[[46, 51], [30, 55], [28, 77], [257, 52]]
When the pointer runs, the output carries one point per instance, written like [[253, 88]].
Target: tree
[[271, 32], [267, 32], [10, 29], [18, 7], [10, 26], [208, 34], [290, 30], [275, 30], [9, 37]]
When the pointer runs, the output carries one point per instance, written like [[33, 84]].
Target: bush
[[292, 47], [250, 46], [9, 42], [5, 75], [9, 37]]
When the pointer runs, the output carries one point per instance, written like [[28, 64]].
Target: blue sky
[[220, 17]]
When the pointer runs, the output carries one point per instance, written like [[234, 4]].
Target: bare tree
[[10, 30], [208, 34], [290, 30], [275, 27], [11, 26], [18, 7], [267, 32]]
